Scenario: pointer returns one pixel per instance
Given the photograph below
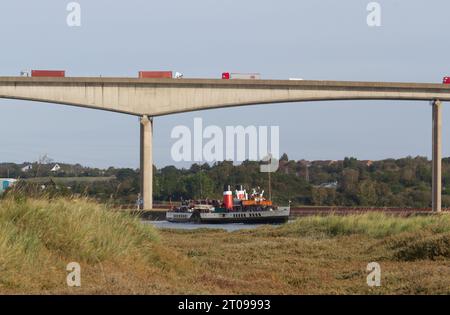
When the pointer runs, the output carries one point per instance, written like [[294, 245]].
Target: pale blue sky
[[320, 40]]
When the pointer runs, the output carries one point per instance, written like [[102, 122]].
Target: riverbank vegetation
[[39, 238], [120, 254]]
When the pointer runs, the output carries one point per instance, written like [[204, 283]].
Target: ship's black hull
[[262, 220], [247, 217]]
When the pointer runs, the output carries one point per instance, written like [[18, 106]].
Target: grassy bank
[[38, 238], [412, 238], [119, 254], [325, 255], [376, 225]]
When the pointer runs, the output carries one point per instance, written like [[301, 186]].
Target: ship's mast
[[270, 176], [270, 186]]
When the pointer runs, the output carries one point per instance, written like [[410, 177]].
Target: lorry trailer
[[48, 73], [155, 74]]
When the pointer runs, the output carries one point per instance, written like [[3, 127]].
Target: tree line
[[404, 182]]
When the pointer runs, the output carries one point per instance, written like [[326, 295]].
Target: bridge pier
[[147, 162], [437, 156]]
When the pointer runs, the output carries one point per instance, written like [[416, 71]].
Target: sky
[[281, 39]]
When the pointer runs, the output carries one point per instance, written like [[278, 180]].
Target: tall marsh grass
[[40, 234], [71, 227], [376, 225]]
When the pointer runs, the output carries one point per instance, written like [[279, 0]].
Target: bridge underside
[[148, 98], [155, 97]]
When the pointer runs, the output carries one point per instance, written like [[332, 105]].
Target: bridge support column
[[437, 156], [147, 162]]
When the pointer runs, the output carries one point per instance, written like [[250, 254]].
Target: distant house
[[368, 163], [56, 168], [6, 183], [323, 163], [332, 185], [27, 168]]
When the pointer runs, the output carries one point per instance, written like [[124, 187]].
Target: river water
[[230, 227]]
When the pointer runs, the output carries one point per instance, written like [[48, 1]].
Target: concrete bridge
[[148, 98]]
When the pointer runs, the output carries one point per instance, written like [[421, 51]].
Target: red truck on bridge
[[155, 75], [48, 73]]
